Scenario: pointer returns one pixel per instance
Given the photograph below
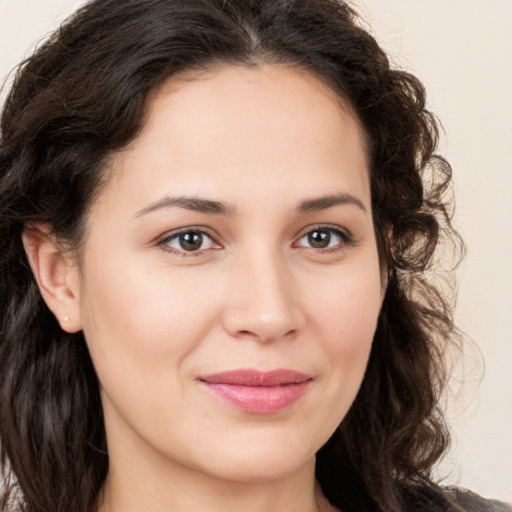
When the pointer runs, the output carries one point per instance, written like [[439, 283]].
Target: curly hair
[[83, 95]]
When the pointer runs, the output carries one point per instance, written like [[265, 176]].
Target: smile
[[258, 392]]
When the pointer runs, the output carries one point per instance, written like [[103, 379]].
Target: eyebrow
[[211, 207], [322, 203], [189, 203]]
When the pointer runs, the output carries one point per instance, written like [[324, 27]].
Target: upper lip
[[256, 378]]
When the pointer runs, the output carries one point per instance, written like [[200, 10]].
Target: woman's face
[[230, 282]]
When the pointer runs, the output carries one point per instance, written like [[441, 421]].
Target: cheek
[[349, 309], [346, 321], [139, 322]]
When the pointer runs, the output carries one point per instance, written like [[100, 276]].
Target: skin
[[256, 293]]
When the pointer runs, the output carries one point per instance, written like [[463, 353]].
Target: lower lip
[[259, 399]]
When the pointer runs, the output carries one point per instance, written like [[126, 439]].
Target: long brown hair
[[81, 96]]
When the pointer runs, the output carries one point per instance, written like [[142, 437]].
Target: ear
[[56, 274]]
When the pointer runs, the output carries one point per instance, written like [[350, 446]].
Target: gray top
[[471, 502]]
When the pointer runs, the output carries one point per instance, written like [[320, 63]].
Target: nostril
[[266, 337]]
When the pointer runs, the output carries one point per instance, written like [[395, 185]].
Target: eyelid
[[334, 227], [345, 235], [163, 240]]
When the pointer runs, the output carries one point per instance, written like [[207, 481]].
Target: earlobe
[[56, 274]]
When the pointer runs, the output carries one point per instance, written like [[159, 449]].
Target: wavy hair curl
[[81, 96]]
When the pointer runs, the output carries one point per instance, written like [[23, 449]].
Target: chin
[[262, 469], [262, 460]]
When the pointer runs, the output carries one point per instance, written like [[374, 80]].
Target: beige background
[[462, 50]]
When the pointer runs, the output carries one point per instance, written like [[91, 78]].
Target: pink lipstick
[[258, 392]]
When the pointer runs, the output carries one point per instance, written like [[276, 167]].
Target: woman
[[216, 222]]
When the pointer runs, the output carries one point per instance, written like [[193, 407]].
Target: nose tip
[[264, 328], [263, 305], [246, 323]]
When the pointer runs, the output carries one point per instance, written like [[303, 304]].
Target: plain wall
[[461, 49]]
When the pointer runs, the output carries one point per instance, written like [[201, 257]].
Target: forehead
[[239, 130]]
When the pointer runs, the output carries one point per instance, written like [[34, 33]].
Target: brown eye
[[319, 239], [324, 238], [191, 241], [188, 241]]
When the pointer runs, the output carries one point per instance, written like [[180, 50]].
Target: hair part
[[83, 96]]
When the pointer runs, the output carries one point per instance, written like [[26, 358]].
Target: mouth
[[258, 392]]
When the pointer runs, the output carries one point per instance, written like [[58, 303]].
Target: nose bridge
[[263, 304]]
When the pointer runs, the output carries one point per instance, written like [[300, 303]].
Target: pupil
[[319, 239], [191, 241]]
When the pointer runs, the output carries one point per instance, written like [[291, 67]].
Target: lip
[[256, 391]]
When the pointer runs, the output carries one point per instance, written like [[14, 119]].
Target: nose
[[264, 303]]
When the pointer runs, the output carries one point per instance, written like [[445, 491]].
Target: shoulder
[[471, 502]]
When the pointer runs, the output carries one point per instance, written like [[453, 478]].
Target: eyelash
[[183, 253], [345, 237], [346, 240]]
